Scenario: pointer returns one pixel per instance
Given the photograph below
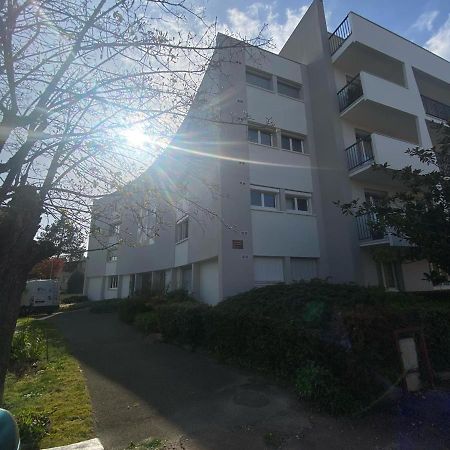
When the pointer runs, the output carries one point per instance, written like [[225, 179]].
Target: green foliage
[[27, 346], [178, 296], [147, 322], [420, 211], [33, 427], [334, 343], [128, 309], [106, 306], [183, 323], [74, 299]]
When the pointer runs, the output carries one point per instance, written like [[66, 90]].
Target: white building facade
[[244, 196]]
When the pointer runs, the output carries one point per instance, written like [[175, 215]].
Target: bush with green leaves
[[147, 322], [106, 306], [27, 347], [183, 323], [128, 309], [33, 426], [74, 299]]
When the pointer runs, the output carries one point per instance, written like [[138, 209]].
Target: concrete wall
[[339, 250]]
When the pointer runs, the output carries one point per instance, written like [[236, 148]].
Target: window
[[293, 144], [147, 227], [114, 229], [263, 199], [260, 136], [262, 80], [113, 281], [289, 89], [182, 230], [111, 255], [298, 202]]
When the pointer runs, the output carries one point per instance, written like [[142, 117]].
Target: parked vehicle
[[40, 296]]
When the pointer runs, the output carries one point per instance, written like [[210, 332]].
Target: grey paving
[[142, 388], [91, 444]]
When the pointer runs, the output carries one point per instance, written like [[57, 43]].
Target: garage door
[[268, 270]]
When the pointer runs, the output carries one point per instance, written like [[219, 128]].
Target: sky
[[425, 22]]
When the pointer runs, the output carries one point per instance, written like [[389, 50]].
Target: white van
[[40, 296]]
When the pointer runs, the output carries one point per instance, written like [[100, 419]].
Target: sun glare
[[137, 137]]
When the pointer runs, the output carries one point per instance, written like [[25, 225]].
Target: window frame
[[290, 84], [113, 282], [182, 230], [263, 191], [260, 130], [111, 255], [291, 147], [298, 195], [262, 75]]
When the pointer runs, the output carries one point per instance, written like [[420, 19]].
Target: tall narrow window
[[113, 281], [182, 229]]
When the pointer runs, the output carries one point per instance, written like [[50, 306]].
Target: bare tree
[[74, 76]]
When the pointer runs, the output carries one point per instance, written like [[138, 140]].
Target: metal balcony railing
[[340, 35], [436, 109], [350, 93], [365, 229], [359, 153]]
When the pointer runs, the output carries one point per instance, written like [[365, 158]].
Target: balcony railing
[[436, 109], [340, 35], [364, 224], [350, 93], [359, 153]]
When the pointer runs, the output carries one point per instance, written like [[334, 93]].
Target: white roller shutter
[[303, 268], [268, 270]]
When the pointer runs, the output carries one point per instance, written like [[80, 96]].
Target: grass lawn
[[55, 388]]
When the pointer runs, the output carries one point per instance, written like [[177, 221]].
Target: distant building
[[288, 135]]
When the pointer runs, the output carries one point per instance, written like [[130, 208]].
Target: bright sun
[[137, 137]]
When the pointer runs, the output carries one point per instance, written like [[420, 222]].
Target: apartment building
[[244, 195]]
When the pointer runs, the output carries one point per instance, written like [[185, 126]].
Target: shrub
[[183, 323], [74, 299], [27, 346], [147, 322], [106, 306], [32, 428], [178, 296], [130, 308]]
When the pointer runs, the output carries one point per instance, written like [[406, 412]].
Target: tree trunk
[[19, 223]]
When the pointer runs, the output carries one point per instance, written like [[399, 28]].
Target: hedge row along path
[[141, 388]]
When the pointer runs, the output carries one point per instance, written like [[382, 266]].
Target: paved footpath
[[142, 388]]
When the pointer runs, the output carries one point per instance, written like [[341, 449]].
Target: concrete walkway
[[91, 444], [141, 388]]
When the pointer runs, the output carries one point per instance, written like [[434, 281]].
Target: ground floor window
[[113, 282], [390, 276], [303, 269], [268, 270]]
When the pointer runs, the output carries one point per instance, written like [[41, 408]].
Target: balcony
[[360, 153], [368, 236], [436, 109], [377, 105], [380, 149], [340, 35], [350, 93]]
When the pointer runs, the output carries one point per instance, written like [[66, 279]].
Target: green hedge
[[130, 308], [333, 343]]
